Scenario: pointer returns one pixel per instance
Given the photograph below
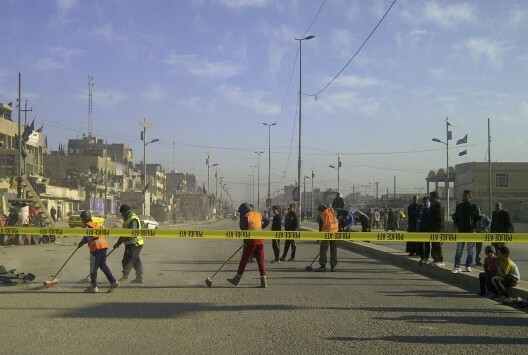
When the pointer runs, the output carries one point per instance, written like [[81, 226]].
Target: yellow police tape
[[382, 236]]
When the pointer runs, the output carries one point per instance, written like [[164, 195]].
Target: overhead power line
[[355, 54]]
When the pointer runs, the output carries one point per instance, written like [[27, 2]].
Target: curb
[[465, 280]]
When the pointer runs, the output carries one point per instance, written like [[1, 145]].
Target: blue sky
[[207, 74]]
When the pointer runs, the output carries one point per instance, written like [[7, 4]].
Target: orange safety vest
[[254, 223], [96, 243], [329, 221]]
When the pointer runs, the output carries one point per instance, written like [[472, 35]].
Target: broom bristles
[[48, 284]]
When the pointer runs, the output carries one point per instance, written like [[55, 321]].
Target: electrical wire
[[355, 54]]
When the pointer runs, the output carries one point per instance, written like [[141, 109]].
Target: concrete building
[[508, 186]]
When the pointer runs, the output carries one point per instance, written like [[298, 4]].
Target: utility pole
[[90, 96], [25, 110], [19, 185]]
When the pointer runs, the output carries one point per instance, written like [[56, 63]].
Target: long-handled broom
[[54, 281], [309, 267], [209, 280]]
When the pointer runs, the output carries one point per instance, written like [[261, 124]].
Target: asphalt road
[[367, 306]]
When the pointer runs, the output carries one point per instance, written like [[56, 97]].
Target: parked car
[[148, 222], [75, 219]]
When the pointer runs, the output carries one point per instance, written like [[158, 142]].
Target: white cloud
[[251, 100], [66, 5], [449, 16], [47, 63], [108, 97], [355, 81], [345, 43], [492, 50], [518, 16], [59, 58], [108, 33], [349, 101], [241, 4], [204, 68], [155, 92]]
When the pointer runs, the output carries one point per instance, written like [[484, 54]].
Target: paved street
[[367, 306]]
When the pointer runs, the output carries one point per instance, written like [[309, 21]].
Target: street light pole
[[377, 186], [145, 125], [312, 196], [253, 184], [299, 165], [209, 167], [304, 191], [338, 167], [446, 143], [258, 180], [268, 200]]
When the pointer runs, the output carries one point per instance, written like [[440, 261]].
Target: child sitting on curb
[[490, 270], [507, 274]]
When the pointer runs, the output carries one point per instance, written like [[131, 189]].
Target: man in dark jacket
[[338, 202], [500, 223], [291, 223], [466, 217], [436, 225], [412, 217]]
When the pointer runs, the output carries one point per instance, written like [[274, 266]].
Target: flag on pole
[[464, 152], [28, 130], [463, 140]]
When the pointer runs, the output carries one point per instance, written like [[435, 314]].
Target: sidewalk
[[465, 280]]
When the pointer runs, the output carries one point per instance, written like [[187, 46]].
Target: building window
[[502, 180]]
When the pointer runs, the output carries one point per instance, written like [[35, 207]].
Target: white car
[[148, 222]]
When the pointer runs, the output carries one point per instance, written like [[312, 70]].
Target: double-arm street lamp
[[268, 200], [299, 165], [449, 136], [338, 168]]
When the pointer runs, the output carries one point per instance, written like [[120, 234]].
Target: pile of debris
[[11, 277]]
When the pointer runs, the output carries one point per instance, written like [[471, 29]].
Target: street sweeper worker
[[133, 246], [98, 247], [251, 220], [327, 223]]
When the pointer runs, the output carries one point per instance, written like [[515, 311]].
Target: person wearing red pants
[[251, 220]]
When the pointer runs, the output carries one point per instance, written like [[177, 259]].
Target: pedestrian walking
[[98, 248], [59, 213], [133, 246], [276, 225], [377, 217], [53, 213], [291, 223], [251, 220], [436, 225], [392, 221]]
